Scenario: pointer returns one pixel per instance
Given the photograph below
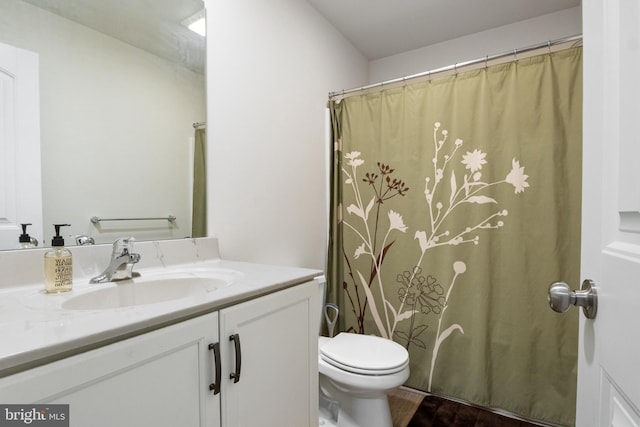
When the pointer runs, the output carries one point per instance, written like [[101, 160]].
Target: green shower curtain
[[199, 209], [455, 203]]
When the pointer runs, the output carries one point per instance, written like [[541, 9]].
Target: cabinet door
[[157, 379], [278, 350]]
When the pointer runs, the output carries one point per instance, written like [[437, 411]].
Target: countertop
[[35, 329]]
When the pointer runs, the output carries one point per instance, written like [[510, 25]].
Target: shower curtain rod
[[197, 125], [456, 66]]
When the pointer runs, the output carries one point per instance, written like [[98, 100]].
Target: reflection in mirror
[[121, 85]]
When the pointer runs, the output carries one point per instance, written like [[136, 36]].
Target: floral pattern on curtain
[[455, 203]]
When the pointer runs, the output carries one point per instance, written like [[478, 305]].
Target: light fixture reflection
[[197, 23]]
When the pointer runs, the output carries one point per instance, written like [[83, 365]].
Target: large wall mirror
[[121, 86]]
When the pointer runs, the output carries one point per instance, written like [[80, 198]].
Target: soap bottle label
[[58, 274]]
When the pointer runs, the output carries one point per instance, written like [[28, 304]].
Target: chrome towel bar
[[96, 220]]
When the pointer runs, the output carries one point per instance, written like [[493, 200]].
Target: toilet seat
[[364, 354]]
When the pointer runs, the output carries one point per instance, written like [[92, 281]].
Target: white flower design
[[459, 267], [337, 146], [466, 187], [353, 159], [359, 251], [421, 236], [474, 160], [396, 222], [517, 177]]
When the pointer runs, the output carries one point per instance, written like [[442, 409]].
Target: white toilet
[[356, 371]]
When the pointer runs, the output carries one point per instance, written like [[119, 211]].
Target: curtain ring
[[486, 62], [549, 46], [455, 69], [515, 55], [429, 75]]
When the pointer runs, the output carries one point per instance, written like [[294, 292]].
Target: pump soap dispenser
[[58, 265], [26, 241]]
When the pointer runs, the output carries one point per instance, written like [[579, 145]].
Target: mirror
[[121, 86]]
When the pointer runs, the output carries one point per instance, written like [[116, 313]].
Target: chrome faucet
[[121, 264]]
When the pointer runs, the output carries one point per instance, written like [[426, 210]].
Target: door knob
[[561, 297]]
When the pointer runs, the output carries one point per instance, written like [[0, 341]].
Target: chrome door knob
[[561, 297]]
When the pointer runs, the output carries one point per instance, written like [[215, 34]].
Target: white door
[[20, 183], [609, 349]]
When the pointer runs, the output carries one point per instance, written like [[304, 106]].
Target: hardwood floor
[[403, 403]]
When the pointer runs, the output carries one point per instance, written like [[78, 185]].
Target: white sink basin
[[145, 290]]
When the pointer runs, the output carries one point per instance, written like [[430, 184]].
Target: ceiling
[[380, 28], [152, 25], [377, 28]]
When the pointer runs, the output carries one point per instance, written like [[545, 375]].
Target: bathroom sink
[[147, 290]]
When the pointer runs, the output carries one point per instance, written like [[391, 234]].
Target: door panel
[[20, 182], [278, 384], [158, 379], [608, 370], [619, 412]]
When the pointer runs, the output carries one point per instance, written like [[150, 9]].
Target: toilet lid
[[364, 354]]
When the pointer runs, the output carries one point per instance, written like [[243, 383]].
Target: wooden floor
[[403, 403]]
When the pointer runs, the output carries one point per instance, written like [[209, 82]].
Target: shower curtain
[[199, 209], [455, 203]]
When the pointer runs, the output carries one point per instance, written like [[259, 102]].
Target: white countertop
[[36, 329]]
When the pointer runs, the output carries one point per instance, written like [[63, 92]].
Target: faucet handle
[[123, 246], [83, 240]]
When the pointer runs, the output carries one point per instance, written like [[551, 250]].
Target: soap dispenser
[[26, 241], [58, 265]]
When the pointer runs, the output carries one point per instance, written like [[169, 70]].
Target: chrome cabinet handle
[[215, 386], [561, 298], [235, 376]]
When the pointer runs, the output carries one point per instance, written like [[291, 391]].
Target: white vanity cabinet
[[160, 378], [268, 372], [278, 350]]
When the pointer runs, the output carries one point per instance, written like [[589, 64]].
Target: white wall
[[553, 26], [116, 124], [270, 67]]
